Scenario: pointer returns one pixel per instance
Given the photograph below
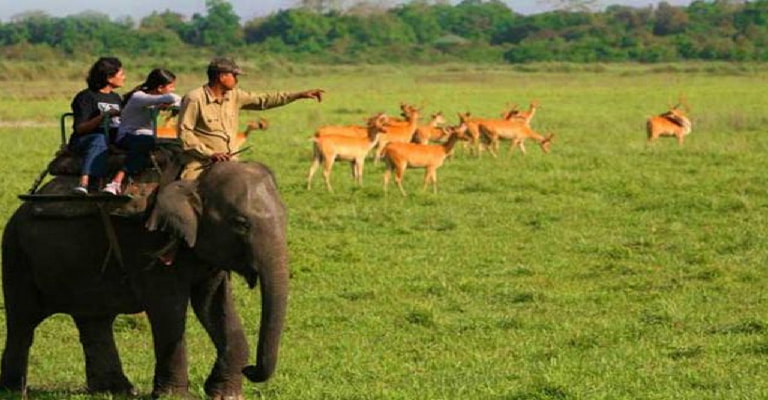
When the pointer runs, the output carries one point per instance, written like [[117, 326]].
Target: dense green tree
[[422, 19], [420, 31], [299, 28], [221, 29], [480, 20], [669, 20]]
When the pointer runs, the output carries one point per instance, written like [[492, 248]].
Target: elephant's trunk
[[273, 274]]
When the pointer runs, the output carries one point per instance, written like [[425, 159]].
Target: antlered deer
[[399, 156], [674, 122], [328, 148]]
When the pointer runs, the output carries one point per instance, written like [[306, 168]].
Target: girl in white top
[[137, 126]]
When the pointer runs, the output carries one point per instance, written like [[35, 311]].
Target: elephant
[[231, 219]]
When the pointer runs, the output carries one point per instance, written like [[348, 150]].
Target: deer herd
[[402, 143]]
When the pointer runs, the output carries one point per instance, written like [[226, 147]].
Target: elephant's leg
[[20, 331], [23, 313], [167, 308], [103, 370], [214, 306]]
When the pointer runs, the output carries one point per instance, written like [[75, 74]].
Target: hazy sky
[[246, 9]]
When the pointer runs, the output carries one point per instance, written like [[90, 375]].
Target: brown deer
[[405, 110], [399, 133], [525, 116], [473, 125], [328, 148], [400, 156], [343, 130], [261, 125], [674, 122], [432, 131], [516, 131]]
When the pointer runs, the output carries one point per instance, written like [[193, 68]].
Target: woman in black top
[[97, 116]]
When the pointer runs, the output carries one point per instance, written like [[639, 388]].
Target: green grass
[[606, 269]]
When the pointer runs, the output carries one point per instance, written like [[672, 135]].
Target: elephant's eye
[[241, 224]]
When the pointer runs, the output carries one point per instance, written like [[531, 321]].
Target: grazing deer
[[400, 156], [328, 148], [516, 131], [674, 122], [431, 131], [473, 125]]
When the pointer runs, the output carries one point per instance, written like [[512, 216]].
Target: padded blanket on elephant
[[140, 188], [69, 207], [66, 162]]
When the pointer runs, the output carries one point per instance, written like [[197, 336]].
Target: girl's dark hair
[[156, 78], [101, 71]]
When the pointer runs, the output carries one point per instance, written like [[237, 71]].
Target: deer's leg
[[360, 163], [399, 172], [522, 146], [431, 176], [312, 169], [327, 167]]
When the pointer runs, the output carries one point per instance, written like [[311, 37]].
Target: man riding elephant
[[208, 118]]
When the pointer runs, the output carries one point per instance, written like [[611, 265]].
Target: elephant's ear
[[177, 210]]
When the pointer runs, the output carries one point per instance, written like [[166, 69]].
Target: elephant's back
[[71, 263]]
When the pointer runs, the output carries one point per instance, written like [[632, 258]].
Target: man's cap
[[224, 65]]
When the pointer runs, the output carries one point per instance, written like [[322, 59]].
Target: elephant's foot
[[11, 384], [120, 388], [224, 390], [114, 382], [172, 393], [228, 397]]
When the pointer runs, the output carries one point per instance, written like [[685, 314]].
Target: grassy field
[[607, 269]]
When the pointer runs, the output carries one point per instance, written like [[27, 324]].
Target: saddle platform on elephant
[[55, 199], [94, 197]]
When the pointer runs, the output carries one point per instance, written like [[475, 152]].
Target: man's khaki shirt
[[207, 125]]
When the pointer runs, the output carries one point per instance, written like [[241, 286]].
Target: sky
[[246, 9]]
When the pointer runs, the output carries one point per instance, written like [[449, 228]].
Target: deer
[[362, 130], [261, 124], [399, 134], [525, 116], [399, 156], [674, 122], [517, 131], [431, 131], [473, 123], [405, 111], [168, 129], [328, 148], [343, 130]]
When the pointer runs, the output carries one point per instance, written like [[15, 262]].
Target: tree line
[[419, 31]]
